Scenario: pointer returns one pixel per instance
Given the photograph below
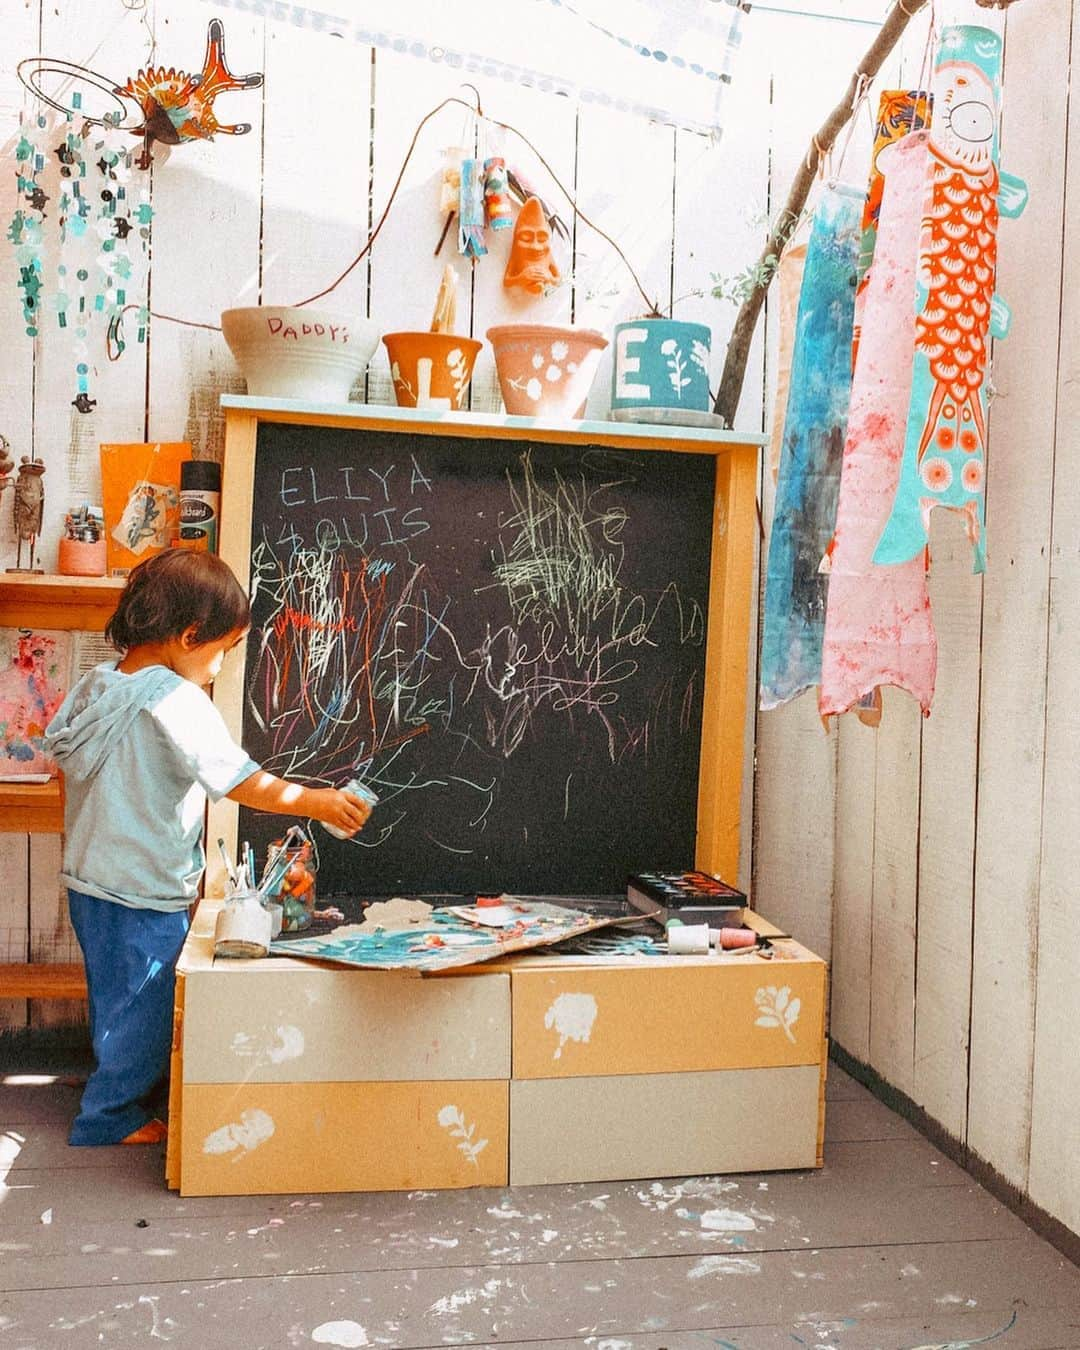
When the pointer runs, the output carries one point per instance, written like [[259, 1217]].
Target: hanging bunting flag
[[878, 625], [899, 111], [813, 442], [945, 441], [471, 210]]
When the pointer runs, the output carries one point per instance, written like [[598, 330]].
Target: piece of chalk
[[732, 938], [688, 939]]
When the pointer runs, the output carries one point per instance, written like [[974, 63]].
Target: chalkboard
[[504, 638]]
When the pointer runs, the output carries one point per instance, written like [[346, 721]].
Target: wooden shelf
[[48, 601], [33, 807], [66, 980]]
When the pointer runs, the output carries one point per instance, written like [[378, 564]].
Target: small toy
[[497, 205]]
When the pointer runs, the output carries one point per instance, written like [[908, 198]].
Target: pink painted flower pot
[[545, 370]]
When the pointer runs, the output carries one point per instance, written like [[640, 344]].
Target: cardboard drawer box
[[664, 1124], [282, 1138], [666, 1015], [282, 1020]]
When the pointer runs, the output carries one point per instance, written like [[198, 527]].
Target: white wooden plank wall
[[934, 861], [278, 214], [956, 932]]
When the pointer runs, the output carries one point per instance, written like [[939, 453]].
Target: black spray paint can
[[200, 504]]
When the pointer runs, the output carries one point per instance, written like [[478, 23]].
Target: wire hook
[[479, 109]]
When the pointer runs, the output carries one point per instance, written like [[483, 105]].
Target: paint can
[[200, 504], [688, 939], [243, 926], [357, 789]]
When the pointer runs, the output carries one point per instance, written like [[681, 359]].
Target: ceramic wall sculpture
[[531, 265], [809, 472]]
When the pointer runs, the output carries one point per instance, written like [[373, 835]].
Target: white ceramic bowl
[[299, 353]]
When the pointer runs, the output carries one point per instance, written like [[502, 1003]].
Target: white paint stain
[[444, 1242], [252, 1129], [728, 1221], [344, 1333], [283, 1043], [462, 1298], [47, 1216], [723, 1265], [572, 1017]]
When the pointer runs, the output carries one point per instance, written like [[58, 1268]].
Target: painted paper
[[945, 440], [878, 625], [814, 429], [140, 485], [34, 671], [445, 938], [789, 275]]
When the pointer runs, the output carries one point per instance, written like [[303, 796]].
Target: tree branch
[[738, 352]]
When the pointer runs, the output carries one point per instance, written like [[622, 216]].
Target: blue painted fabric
[[130, 957], [815, 425]]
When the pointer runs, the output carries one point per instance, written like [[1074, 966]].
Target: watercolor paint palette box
[[295, 1076]]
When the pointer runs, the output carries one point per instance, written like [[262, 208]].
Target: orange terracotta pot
[[431, 370], [79, 558], [545, 370]]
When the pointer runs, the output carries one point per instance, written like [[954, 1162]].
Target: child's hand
[[342, 809]]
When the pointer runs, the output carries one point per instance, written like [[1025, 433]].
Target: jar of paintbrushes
[[289, 880]]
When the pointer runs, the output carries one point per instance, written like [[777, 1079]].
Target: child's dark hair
[[174, 591]]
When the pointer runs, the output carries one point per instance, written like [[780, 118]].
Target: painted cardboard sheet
[[34, 677], [443, 938]]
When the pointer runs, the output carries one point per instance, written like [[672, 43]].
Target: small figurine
[[531, 265], [29, 506]]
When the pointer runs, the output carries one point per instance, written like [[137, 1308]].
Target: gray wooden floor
[[889, 1246]]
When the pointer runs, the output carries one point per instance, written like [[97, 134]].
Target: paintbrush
[[230, 870], [274, 871]]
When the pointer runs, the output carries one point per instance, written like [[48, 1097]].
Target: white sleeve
[[202, 741]]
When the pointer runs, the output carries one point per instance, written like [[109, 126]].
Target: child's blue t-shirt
[[140, 754]]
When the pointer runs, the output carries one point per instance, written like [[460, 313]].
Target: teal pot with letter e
[[661, 363]]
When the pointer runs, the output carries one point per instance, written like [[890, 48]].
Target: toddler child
[[142, 747]]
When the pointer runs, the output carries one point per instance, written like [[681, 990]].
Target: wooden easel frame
[[731, 576]]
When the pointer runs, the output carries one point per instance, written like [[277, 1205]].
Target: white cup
[[243, 926]]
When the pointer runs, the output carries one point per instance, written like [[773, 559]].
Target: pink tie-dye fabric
[[878, 625]]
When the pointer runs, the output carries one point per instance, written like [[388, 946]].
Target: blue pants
[[130, 957]]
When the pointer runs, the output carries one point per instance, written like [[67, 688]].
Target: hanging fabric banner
[[878, 625], [899, 111], [957, 312], [809, 473], [665, 60]]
